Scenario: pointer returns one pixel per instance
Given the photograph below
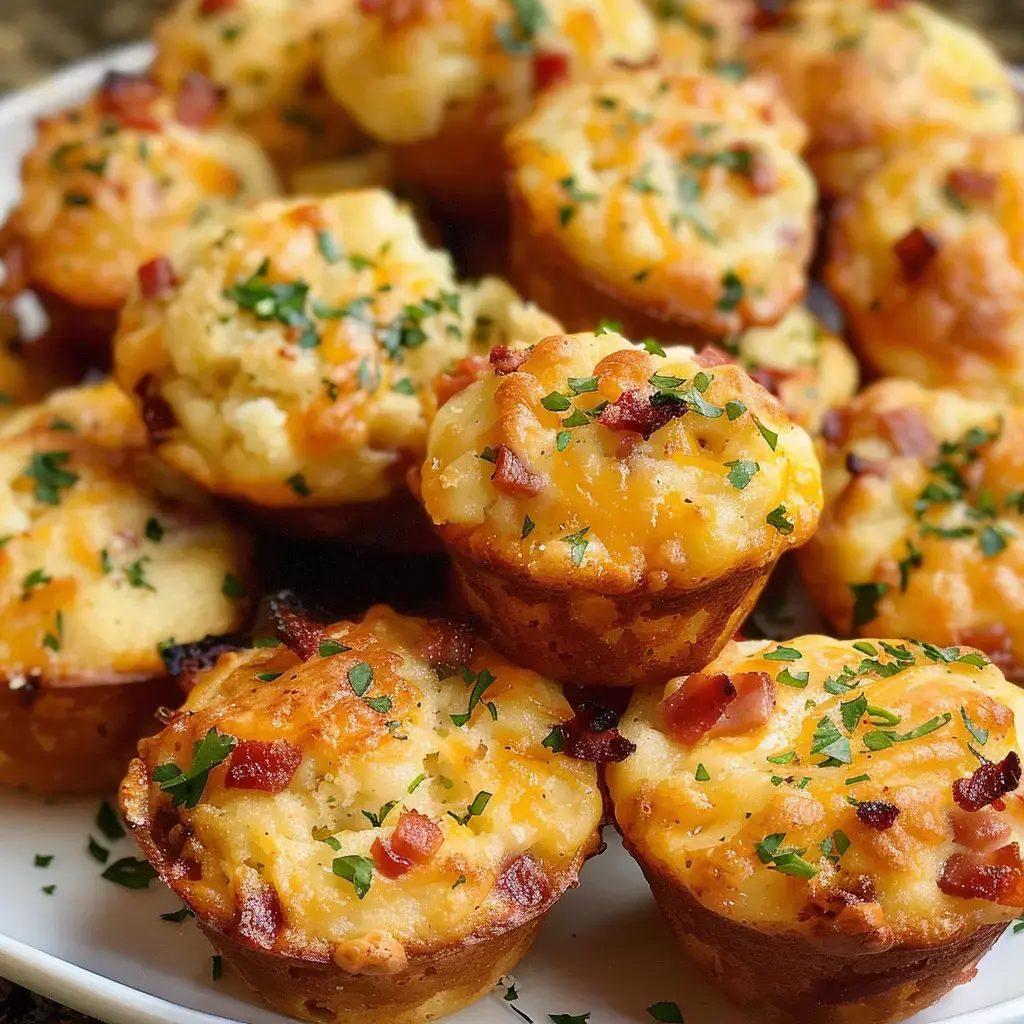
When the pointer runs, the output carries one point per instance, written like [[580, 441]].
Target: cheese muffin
[[832, 829], [289, 360], [264, 58], [923, 532], [442, 81], [105, 556], [870, 77], [928, 264], [697, 34], [369, 821], [24, 378], [107, 186], [613, 513], [676, 204], [799, 361]]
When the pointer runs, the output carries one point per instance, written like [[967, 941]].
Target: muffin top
[[850, 791], [293, 347], [105, 554], [922, 533], [401, 68], [928, 259], [384, 786], [682, 193], [866, 75], [109, 184], [588, 462], [695, 34]]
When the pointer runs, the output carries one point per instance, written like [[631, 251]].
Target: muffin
[[922, 531], [871, 77], [106, 556], [823, 823], [613, 514], [374, 819], [24, 378], [799, 360], [289, 362], [698, 34], [674, 204], [264, 58], [928, 264], [442, 81]]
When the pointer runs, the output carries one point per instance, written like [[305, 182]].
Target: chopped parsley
[[666, 1013], [828, 740], [154, 530], [328, 648], [135, 574], [43, 860], [741, 472], [360, 677], [782, 653], [97, 852], [979, 734], [518, 36], [528, 527], [130, 872], [232, 587], [788, 861], [355, 869], [328, 246], [777, 518], [108, 822], [480, 681], [577, 545], [284, 302], [554, 741], [378, 819], [701, 774], [46, 468], [216, 968], [297, 483], [732, 293], [474, 810], [865, 601], [186, 787], [177, 916]]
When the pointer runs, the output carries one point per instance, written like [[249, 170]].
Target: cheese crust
[[617, 523], [362, 762], [870, 78], [297, 350], [713, 823], [922, 530], [680, 197], [264, 57], [949, 312]]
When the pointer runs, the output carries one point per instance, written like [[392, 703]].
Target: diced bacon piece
[[259, 764], [416, 838], [997, 876], [989, 782], [877, 814], [156, 278], [207, 8], [386, 861], [591, 735], [759, 171], [770, 378], [128, 98], [980, 831], [260, 916], [890, 5], [299, 633], [198, 101], [467, 371], [718, 705], [506, 359], [638, 410], [512, 476], [752, 707], [525, 883], [907, 431], [157, 414], [449, 646], [712, 355], [857, 465], [968, 184], [186, 662], [549, 69], [915, 252], [835, 426]]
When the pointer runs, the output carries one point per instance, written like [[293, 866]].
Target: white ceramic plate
[[103, 949]]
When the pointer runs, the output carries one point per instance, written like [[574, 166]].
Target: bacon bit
[[968, 184], [549, 69], [210, 7], [857, 465], [635, 410], [997, 876], [299, 633], [128, 98], [988, 783], [890, 5], [198, 101], [835, 426], [511, 475], [166, 832], [449, 647], [915, 251], [718, 705], [591, 735], [877, 814], [712, 355], [387, 862], [907, 431], [506, 359], [467, 371], [767, 16], [770, 378], [186, 661], [157, 415], [263, 765], [416, 838], [980, 831], [157, 279], [260, 917], [525, 882]]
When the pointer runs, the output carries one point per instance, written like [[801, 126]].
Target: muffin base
[[590, 639], [64, 739], [791, 979]]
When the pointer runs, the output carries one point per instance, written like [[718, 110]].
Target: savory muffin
[[369, 821], [613, 513], [105, 557], [807, 367], [823, 823], [697, 34], [927, 262], [288, 358], [676, 204], [870, 77], [107, 186], [23, 379], [442, 81], [923, 532], [264, 57]]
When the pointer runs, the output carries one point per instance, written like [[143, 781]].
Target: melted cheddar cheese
[[928, 263], [400, 69], [683, 194], [923, 532], [869, 78], [106, 554], [889, 721], [298, 347], [360, 761], [731, 483], [101, 194]]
